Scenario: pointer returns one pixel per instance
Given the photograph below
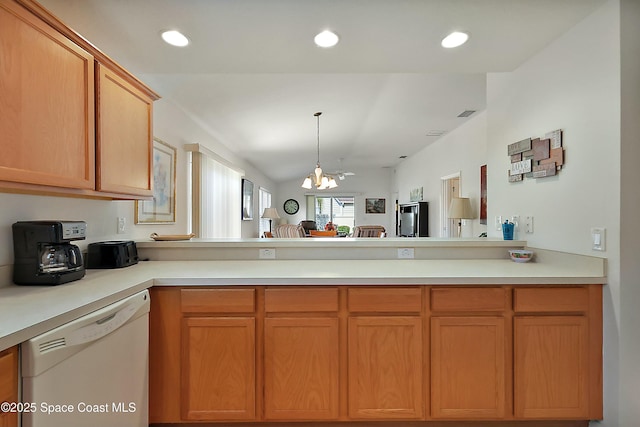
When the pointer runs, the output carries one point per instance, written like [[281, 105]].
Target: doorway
[[450, 188]]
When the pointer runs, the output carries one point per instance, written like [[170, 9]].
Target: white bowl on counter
[[520, 255]]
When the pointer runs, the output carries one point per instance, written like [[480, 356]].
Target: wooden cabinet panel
[[218, 300], [385, 300], [302, 300], [561, 300], [218, 368], [164, 355], [9, 384], [301, 369], [551, 367], [385, 368], [46, 104], [124, 135], [468, 367], [468, 299]]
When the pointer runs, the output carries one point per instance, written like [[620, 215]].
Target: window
[[339, 210], [265, 202], [216, 195]]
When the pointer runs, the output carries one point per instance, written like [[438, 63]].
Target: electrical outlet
[[528, 221], [122, 225], [405, 253], [267, 253]]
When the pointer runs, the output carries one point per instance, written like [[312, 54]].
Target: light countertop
[[27, 311]]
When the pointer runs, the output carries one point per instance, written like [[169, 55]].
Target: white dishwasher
[[92, 371]]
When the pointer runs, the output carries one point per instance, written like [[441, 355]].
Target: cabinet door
[[124, 136], [46, 104], [301, 368], [385, 368], [551, 367], [218, 368], [467, 367], [9, 385]]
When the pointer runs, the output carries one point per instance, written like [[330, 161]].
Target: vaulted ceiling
[[253, 77]]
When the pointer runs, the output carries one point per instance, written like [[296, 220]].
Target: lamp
[[460, 208], [270, 214], [317, 178]]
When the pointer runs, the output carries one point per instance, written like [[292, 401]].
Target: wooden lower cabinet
[[218, 368], [301, 367], [9, 384], [385, 368], [468, 367], [444, 354], [551, 367]]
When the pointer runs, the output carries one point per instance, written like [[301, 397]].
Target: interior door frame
[[447, 225]]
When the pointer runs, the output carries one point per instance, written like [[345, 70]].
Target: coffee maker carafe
[[43, 254]]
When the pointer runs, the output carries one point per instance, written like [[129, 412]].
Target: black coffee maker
[[42, 252]]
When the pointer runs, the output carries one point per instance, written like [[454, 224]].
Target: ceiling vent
[[466, 113], [436, 132]]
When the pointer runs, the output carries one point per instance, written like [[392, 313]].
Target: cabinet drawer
[[468, 299], [217, 300], [536, 300], [301, 300], [385, 300]]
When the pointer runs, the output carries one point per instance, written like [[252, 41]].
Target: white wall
[[574, 85], [372, 183], [630, 206], [463, 150]]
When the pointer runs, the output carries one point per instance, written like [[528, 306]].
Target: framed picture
[[247, 200], [415, 195], [375, 206], [162, 209]]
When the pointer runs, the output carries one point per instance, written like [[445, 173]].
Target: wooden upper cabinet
[[9, 384], [46, 104], [124, 135]]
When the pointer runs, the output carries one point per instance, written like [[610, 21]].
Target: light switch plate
[[598, 238]]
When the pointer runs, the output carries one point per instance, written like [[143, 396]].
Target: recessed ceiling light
[[175, 38], [326, 39], [455, 39]]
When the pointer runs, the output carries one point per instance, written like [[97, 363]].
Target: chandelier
[[317, 178]]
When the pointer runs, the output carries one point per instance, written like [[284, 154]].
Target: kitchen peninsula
[[459, 332]]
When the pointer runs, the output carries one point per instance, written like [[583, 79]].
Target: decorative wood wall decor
[[537, 157]]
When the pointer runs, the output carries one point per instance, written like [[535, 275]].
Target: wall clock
[[291, 206]]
